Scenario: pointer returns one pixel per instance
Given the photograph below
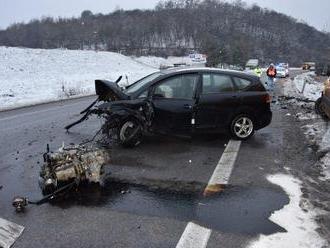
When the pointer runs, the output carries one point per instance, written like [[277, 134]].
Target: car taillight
[[266, 98]]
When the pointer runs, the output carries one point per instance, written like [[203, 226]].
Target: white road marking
[[222, 172], [9, 233], [194, 236]]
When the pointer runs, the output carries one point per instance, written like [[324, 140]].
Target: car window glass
[[144, 94], [142, 82], [207, 82], [242, 83], [182, 86], [217, 83]]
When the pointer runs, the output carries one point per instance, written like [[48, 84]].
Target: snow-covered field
[[32, 76], [317, 132], [297, 218]]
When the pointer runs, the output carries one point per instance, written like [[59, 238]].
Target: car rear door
[[216, 102], [173, 100]]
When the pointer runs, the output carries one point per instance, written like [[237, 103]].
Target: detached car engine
[[70, 164]]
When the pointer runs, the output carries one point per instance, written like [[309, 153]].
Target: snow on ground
[[299, 222], [325, 149], [151, 61], [311, 91], [317, 132], [325, 164], [318, 136], [32, 76]]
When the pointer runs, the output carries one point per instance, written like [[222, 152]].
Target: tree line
[[227, 32]]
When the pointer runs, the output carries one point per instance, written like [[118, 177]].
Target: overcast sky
[[314, 12]]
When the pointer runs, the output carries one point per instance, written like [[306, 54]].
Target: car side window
[[144, 94], [217, 83], [242, 83], [182, 87]]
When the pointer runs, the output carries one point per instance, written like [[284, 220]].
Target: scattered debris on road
[[65, 169], [19, 203], [9, 233], [72, 163]]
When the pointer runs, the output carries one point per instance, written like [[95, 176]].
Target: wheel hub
[[243, 127], [126, 129]]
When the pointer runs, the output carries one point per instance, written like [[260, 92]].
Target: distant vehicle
[[198, 58], [286, 66], [251, 64], [281, 72], [182, 102], [309, 66]]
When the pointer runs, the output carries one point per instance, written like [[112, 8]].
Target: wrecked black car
[[182, 101]]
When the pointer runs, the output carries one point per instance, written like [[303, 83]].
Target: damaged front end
[[126, 120]]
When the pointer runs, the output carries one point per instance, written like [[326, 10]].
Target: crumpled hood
[[109, 91]]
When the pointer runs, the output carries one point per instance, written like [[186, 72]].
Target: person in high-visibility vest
[[258, 71], [271, 74]]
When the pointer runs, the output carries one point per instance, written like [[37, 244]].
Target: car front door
[[173, 100], [216, 102]]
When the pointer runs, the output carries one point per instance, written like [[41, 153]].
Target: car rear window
[[216, 83], [242, 83]]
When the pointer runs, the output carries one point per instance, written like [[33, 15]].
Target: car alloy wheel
[[242, 127]]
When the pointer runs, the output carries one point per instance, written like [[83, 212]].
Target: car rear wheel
[[242, 127], [130, 133]]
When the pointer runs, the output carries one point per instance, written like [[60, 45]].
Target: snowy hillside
[[30, 76]]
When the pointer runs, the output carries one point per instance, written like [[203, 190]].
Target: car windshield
[[142, 82]]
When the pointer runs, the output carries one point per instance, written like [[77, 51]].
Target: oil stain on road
[[236, 210]]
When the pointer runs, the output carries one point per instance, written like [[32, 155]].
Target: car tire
[[242, 127], [319, 110], [130, 133]]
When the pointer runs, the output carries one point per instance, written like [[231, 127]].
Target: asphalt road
[[153, 191]]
